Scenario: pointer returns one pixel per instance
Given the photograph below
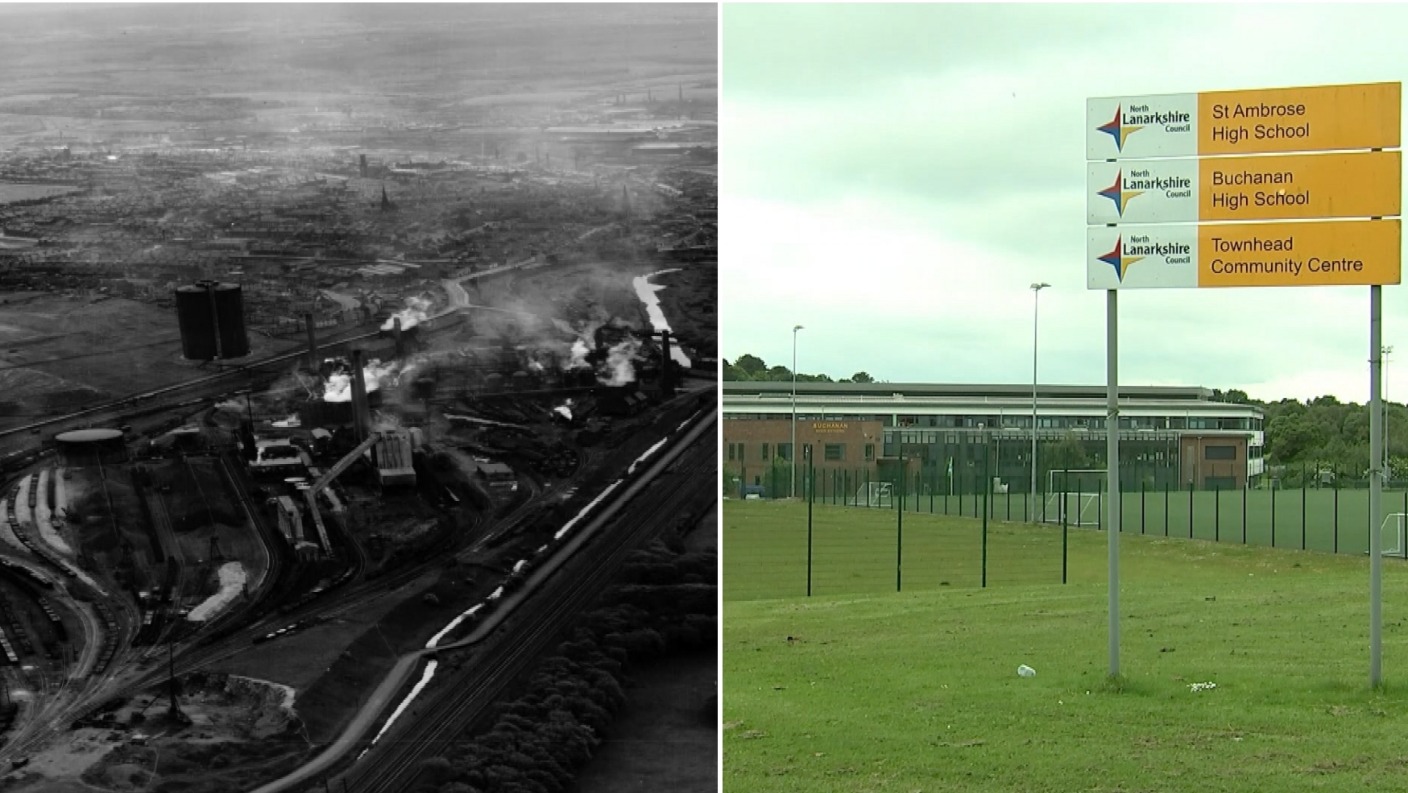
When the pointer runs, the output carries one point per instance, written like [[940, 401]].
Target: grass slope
[[919, 691]]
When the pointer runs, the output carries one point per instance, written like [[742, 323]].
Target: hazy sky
[[894, 177]]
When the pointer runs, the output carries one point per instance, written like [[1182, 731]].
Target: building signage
[[1315, 118], [830, 427], [1328, 253], [1282, 187]]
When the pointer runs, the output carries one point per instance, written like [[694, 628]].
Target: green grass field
[[918, 691], [1320, 520]]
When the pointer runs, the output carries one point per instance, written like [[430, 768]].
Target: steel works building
[[951, 438]]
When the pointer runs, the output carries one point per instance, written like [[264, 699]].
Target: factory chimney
[[312, 342], [362, 163], [359, 398], [667, 386], [385, 202], [396, 332]]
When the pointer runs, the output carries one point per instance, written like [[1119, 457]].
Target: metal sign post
[[1169, 186], [1112, 474], [1376, 485]]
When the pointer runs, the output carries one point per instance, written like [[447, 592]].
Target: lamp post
[[1031, 495], [792, 455]]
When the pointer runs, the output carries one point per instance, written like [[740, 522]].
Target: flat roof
[[784, 388]]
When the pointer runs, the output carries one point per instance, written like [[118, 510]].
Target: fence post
[[1165, 508], [987, 486], [1273, 517], [1217, 512], [1335, 479], [1065, 556], [809, 533], [1244, 513], [1190, 509], [1302, 506], [1141, 505], [899, 527], [975, 494]]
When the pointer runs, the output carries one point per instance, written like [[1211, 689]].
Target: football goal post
[[1392, 533], [1074, 496], [874, 494]]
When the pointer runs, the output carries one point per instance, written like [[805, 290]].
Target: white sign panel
[[1150, 191], [1145, 257], [1125, 127]]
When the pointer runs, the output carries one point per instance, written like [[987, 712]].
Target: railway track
[[460, 699]]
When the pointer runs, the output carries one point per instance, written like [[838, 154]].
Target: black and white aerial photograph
[[358, 374]]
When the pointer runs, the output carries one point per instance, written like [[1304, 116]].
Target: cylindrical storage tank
[[196, 322], [91, 446], [229, 317]]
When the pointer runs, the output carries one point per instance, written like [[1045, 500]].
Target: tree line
[[664, 602]]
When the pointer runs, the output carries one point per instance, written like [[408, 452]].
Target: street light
[[792, 457], [1031, 495]]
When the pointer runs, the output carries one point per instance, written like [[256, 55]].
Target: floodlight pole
[[1031, 494], [792, 455], [1376, 484], [1112, 473]]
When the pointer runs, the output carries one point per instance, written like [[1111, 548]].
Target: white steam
[[619, 368], [413, 314], [338, 387]]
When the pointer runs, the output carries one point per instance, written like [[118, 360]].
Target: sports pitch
[[873, 690]]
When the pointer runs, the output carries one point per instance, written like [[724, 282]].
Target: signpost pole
[[1376, 483], [1112, 458]]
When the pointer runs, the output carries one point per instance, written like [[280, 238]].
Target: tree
[[1068, 454], [860, 377], [751, 365]]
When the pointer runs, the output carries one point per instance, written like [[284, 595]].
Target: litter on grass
[[1196, 687]]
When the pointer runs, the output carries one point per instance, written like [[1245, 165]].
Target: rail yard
[[329, 416]]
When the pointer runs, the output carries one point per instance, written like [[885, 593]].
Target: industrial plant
[[320, 409]]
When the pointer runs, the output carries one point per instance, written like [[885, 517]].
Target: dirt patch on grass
[[666, 737]]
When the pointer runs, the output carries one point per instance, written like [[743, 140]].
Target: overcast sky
[[894, 177]]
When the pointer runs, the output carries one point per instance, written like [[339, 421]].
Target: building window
[[732, 452], [870, 452], [765, 451], [1219, 452], [835, 451], [784, 450]]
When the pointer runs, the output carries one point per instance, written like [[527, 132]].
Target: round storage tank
[[229, 316], [193, 314], [89, 447]]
